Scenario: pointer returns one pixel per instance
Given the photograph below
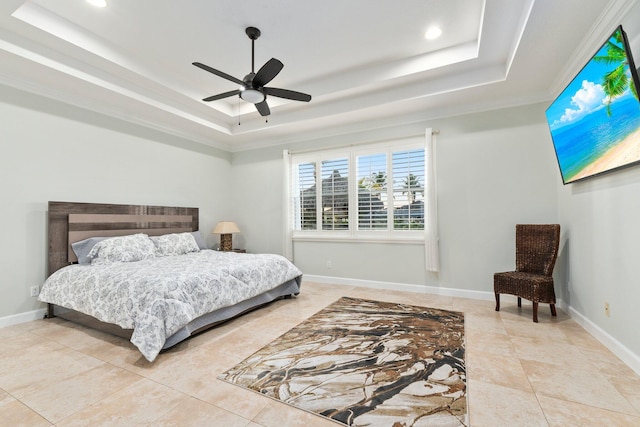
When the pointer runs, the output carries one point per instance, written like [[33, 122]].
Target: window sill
[[404, 240]]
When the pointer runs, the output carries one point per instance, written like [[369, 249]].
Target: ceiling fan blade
[[287, 94], [267, 72], [222, 95], [263, 108], [218, 73]]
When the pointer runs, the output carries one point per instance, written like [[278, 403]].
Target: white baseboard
[[363, 283], [421, 289], [615, 346], [22, 317]]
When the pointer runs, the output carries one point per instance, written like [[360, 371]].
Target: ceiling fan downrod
[[253, 34]]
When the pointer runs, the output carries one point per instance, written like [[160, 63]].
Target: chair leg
[[553, 310], [535, 312], [519, 302], [497, 301]]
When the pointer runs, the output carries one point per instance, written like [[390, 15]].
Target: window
[[364, 192]]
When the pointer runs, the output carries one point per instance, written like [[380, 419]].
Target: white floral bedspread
[[157, 297]]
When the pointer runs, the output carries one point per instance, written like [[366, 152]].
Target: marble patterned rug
[[367, 363]]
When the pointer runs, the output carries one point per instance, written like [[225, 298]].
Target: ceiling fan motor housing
[[248, 80]]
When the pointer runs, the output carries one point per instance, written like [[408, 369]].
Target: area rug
[[367, 363]]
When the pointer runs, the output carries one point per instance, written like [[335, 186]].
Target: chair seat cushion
[[530, 286]]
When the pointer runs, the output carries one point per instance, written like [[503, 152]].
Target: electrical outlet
[[35, 291], [607, 309], [328, 264]]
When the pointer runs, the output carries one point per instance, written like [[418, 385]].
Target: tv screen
[[595, 121]]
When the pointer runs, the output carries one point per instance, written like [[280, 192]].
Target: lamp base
[[225, 242]]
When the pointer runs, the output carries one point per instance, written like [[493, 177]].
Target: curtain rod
[[334, 147]]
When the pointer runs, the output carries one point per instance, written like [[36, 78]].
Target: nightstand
[[239, 251]]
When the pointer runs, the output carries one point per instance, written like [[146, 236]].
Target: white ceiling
[[366, 63]]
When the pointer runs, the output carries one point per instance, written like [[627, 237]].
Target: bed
[[140, 275]]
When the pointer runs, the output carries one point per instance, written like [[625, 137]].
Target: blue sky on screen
[[583, 96]]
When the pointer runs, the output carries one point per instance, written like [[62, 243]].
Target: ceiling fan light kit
[[253, 96], [252, 87]]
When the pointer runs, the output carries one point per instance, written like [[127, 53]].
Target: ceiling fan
[[252, 87]]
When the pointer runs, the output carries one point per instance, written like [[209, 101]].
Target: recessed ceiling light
[[98, 3], [433, 33]]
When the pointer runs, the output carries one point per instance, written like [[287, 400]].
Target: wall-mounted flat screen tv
[[595, 121]]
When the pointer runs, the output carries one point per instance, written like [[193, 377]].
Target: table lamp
[[225, 229]]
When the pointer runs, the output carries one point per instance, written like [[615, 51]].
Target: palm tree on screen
[[616, 81]]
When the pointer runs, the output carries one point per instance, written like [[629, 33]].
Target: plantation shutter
[[372, 191], [408, 189], [335, 194]]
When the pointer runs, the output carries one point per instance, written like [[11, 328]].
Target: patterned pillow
[[135, 247], [175, 244]]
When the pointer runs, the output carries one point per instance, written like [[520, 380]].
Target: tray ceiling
[[366, 64]]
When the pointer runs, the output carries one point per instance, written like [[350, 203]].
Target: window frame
[[353, 233]]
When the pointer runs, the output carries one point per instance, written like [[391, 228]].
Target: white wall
[[494, 170], [601, 246], [49, 151], [256, 181]]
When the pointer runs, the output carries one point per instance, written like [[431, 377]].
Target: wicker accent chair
[[536, 253]]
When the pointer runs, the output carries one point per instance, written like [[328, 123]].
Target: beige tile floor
[[553, 373]]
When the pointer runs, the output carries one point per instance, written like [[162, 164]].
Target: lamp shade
[[226, 227]]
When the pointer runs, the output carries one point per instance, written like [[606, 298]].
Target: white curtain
[[286, 207], [431, 240]]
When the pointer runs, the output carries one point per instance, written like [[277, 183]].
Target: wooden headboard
[[72, 222]]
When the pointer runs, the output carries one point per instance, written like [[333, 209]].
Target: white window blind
[[370, 192], [408, 190], [305, 203], [335, 194]]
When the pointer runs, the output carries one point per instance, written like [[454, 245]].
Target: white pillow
[[135, 247], [175, 244]]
